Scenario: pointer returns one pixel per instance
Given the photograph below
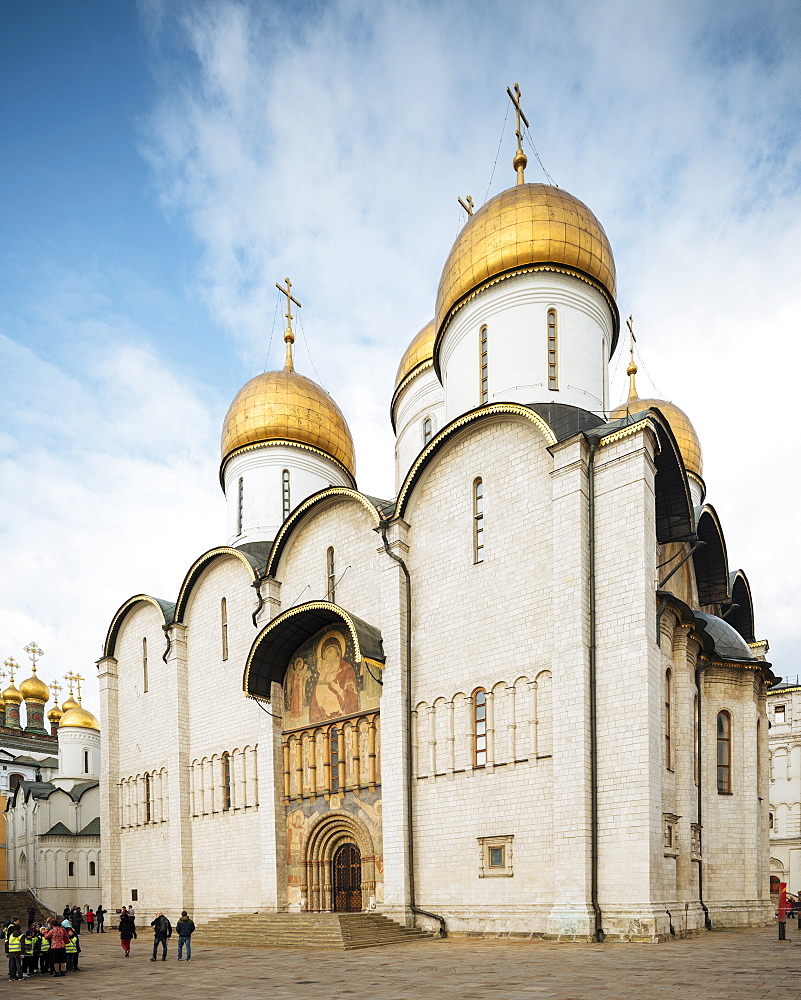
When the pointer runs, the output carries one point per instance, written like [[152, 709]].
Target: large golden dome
[[286, 406], [420, 351], [681, 425], [524, 226], [11, 695], [34, 689], [78, 718]]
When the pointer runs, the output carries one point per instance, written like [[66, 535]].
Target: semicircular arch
[[202, 564], [165, 608]]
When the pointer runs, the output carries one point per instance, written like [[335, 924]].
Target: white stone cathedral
[[523, 697]]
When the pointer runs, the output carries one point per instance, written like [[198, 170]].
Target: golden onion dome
[[54, 714], [285, 406], [418, 353], [69, 704], [78, 718], [523, 228], [681, 425], [34, 689], [11, 696]]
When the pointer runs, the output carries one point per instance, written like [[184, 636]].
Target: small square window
[[496, 857]]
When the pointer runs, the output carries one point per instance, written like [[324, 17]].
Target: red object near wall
[[783, 907]]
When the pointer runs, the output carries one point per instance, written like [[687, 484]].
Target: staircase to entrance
[[332, 931], [16, 904]]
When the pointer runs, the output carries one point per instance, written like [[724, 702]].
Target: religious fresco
[[324, 681]]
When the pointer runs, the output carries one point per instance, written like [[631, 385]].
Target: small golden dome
[[54, 714], [78, 718], [11, 696], [69, 704], [680, 424], [34, 689], [417, 353], [286, 406], [526, 225]]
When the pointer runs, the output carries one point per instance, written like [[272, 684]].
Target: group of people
[[51, 948], [162, 931], [91, 918]]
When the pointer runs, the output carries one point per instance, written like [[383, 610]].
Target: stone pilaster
[[179, 831], [110, 820]]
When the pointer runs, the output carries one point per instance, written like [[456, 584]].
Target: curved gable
[[741, 615], [710, 562], [334, 494], [492, 411], [248, 560], [165, 609]]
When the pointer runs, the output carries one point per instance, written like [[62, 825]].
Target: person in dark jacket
[[31, 915], [185, 927], [100, 917], [76, 919], [162, 929], [127, 931]]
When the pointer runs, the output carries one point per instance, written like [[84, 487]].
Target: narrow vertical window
[[478, 521], [224, 627], [240, 506], [480, 727], [334, 760], [86, 762], [484, 366], [226, 777], [148, 798], [724, 753], [668, 748], [330, 575], [71, 868], [144, 664], [427, 432], [92, 869], [553, 352], [285, 495]]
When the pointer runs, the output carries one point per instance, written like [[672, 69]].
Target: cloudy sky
[[165, 163]]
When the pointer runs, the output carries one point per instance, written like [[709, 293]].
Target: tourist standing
[[14, 950], [44, 949], [100, 915], [90, 919], [185, 927], [162, 929], [127, 931], [58, 937], [76, 919]]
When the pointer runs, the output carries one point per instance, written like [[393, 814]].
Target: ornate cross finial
[[34, 654], [467, 204], [521, 160], [55, 690], [632, 369], [289, 336], [77, 678], [70, 679], [11, 666]]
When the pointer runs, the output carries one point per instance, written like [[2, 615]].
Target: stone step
[[329, 931], [16, 903]]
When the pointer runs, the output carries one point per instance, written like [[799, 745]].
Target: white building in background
[[784, 713], [518, 696]]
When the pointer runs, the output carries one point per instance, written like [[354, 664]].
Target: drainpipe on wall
[[707, 918], [599, 933], [409, 775]]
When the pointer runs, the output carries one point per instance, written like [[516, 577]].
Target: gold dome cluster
[[286, 406], [524, 227]]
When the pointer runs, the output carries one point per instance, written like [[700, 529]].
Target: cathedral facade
[[524, 696]]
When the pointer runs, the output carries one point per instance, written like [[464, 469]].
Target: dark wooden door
[[347, 878]]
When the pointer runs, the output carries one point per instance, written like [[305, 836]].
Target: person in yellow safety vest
[[14, 938], [44, 954], [30, 957], [71, 949]]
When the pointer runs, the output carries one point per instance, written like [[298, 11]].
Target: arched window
[[427, 431], [770, 821], [478, 521], [86, 762], [334, 759], [14, 780], [668, 748], [484, 366], [148, 799], [70, 868], [92, 869], [480, 727], [724, 753], [224, 627], [285, 495], [226, 777], [144, 664], [240, 506], [331, 577], [553, 351]]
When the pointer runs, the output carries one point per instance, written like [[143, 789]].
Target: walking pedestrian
[[14, 950], [127, 931], [100, 915], [162, 929], [90, 919], [58, 935], [185, 928]]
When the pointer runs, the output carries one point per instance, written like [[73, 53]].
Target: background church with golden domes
[[524, 696], [50, 788]]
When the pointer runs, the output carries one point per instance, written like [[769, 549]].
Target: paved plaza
[[724, 964]]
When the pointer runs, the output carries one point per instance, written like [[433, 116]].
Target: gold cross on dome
[[70, 679], [289, 336], [77, 678], [467, 204], [520, 160], [55, 690], [34, 653], [12, 666]]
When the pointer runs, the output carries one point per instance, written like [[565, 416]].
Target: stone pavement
[[722, 965]]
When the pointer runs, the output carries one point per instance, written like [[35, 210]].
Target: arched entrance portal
[[339, 865], [346, 878]]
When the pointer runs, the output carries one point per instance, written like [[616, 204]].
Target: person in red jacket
[[58, 937]]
